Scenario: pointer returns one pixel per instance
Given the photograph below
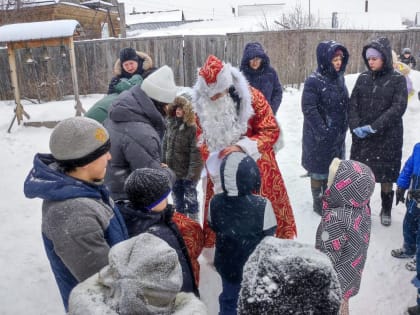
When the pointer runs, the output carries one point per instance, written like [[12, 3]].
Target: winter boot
[[317, 188], [414, 310], [411, 265], [385, 214], [402, 253]]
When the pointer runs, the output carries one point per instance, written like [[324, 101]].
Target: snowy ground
[[27, 285]]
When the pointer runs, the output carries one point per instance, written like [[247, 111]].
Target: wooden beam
[[79, 107], [39, 43]]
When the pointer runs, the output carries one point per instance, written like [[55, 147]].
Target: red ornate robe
[[263, 128]]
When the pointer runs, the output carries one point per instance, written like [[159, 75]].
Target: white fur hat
[[160, 85]]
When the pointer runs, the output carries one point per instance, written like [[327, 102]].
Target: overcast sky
[[319, 8]]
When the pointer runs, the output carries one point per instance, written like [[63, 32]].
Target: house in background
[[98, 18], [154, 20]]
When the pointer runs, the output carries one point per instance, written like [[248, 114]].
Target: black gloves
[[400, 195]]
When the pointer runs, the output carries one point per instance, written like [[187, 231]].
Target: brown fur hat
[[147, 63], [186, 105]]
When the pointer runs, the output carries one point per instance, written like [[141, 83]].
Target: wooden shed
[[92, 18], [39, 34]]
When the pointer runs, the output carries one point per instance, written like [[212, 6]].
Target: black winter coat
[[135, 129], [411, 61], [379, 99], [265, 78], [325, 102], [161, 225]]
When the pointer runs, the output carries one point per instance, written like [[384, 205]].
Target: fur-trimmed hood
[[185, 104], [146, 64]]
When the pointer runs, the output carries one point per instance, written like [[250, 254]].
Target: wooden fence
[[292, 54]]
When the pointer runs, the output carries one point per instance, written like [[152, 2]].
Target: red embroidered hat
[[211, 69]]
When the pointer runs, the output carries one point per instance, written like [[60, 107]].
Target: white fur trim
[[202, 91], [280, 140], [250, 147], [332, 171], [242, 88]]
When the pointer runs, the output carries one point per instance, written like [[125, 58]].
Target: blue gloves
[[363, 131]]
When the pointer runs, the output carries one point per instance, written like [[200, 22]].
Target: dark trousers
[[411, 233], [184, 194], [228, 299]]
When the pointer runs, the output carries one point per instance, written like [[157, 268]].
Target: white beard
[[219, 122]]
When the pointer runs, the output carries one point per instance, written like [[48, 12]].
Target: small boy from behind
[[410, 179], [240, 220]]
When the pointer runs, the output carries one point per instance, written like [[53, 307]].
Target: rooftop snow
[[37, 30]]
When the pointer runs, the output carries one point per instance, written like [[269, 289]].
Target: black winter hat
[[147, 187], [128, 53]]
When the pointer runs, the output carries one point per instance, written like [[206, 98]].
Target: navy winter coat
[[239, 218], [325, 102], [379, 99], [265, 78], [136, 130], [161, 225], [79, 223]]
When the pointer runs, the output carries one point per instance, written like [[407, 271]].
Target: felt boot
[[317, 188], [385, 214]]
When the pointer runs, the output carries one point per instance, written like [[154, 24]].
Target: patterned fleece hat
[[77, 141], [216, 74], [160, 85], [147, 187], [128, 53]]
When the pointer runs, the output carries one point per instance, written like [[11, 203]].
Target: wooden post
[[79, 108], [19, 111]]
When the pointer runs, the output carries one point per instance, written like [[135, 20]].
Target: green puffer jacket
[[179, 149]]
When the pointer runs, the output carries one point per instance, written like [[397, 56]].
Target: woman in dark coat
[[255, 65], [377, 104], [325, 102]]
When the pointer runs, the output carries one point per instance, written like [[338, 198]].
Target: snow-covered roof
[[371, 21], [153, 16], [37, 30]]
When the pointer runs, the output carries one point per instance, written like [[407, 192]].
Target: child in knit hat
[[79, 220], [148, 210], [143, 277]]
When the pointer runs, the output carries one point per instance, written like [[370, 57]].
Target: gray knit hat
[[160, 85], [77, 141], [143, 277], [147, 187]]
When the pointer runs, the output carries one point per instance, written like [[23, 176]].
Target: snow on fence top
[[37, 30]]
